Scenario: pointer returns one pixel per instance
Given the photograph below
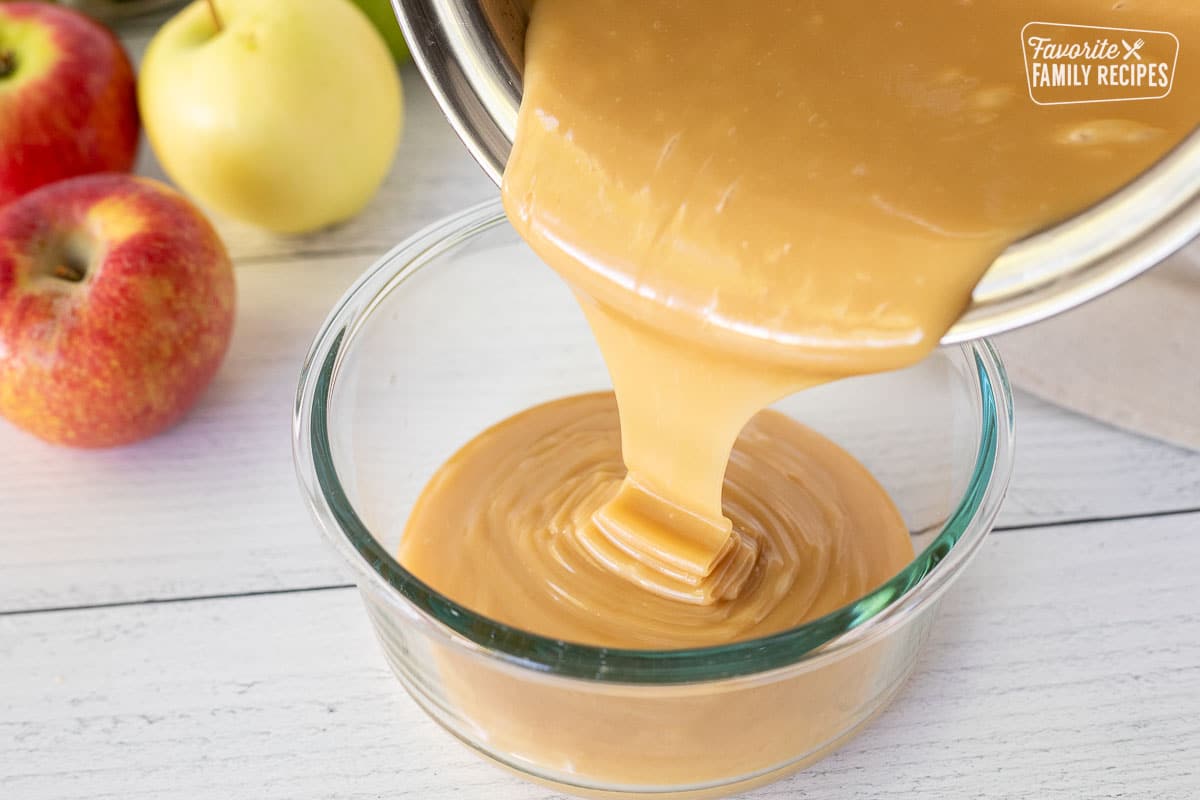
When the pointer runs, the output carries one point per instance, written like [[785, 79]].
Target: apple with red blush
[[116, 309], [68, 98]]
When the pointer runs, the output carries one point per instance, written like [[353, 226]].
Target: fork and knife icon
[[1131, 50]]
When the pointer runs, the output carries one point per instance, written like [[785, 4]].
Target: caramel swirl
[[519, 502]]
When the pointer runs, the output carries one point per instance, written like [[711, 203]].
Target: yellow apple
[[279, 113]]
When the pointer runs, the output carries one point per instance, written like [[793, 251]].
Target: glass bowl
[[462, 326]]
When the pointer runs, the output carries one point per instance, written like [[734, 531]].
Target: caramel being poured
[[750, 199]]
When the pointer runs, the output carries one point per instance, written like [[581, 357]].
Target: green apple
[[285, 115], [383, 17]]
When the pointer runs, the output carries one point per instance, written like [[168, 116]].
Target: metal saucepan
[[471, 52]]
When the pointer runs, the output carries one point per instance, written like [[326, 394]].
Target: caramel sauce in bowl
[[435, 344], [796, 196]]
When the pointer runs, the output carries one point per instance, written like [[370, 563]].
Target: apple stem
[[212, 8], [8, 63], [69, 272]]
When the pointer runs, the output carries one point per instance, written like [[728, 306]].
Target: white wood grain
[[1069, 467], [1064, 666]]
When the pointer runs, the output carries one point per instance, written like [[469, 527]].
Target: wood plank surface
[[1034, 686]]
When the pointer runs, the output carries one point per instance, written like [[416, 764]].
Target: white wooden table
[[172, 626]]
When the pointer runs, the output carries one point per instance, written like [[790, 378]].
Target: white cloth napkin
[[1130, 358]]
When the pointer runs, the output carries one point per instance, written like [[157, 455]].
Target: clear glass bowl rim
[[894, 603]]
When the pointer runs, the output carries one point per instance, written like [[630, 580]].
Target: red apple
[[116, 308], [68, 102]]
